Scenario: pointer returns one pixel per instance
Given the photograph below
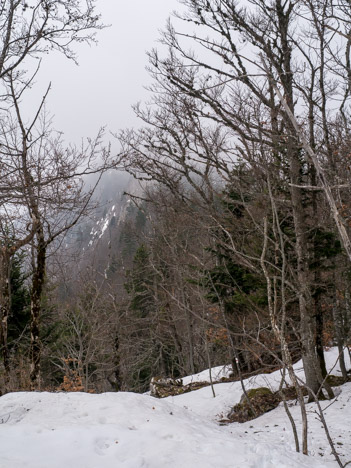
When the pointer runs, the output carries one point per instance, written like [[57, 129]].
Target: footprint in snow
[[101, 445]]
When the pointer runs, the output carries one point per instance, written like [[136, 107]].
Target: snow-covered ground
[[113, 430]]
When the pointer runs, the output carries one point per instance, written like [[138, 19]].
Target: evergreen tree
[[140, 282], [20, 300]]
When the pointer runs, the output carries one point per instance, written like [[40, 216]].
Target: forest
[[220, 230]]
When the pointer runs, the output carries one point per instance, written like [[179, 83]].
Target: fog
[[111, 75]]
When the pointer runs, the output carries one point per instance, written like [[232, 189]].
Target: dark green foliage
[[140, 221], [148, 326], [139, 283], [325, 246], [234, 204], [139, 286], [20, 300], [127, 240], [131, 231], [231, 284]]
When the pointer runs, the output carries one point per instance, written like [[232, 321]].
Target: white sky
[[110, 77]]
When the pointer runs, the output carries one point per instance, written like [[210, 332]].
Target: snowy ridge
[[100, 226], [113, 430], [114, 205]]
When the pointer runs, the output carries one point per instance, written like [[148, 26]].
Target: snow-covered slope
[[274, 426], [113, 430], [97, 242], [111, 211]]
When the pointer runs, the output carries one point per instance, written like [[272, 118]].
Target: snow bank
[[126, 430], [217, 374], [228, 394], [77, 430]]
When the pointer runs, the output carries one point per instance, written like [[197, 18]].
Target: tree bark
[[5, 305], [36, 295]]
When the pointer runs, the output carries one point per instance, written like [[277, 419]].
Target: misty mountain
[[105, 239]]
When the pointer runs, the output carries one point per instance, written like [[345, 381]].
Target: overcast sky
[[111, 76]]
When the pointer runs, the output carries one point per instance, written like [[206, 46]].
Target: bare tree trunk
[[5, 304], [307, 324], [189, 326], [319, 336], [339, 221], [338, 325], [318, 311], [36, 295], [279, 333], [311, 363]]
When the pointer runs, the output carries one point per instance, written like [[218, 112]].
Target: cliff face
[[105, 240]]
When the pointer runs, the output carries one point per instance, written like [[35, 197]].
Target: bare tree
[[232, 90], [32, 28], [38, 174]]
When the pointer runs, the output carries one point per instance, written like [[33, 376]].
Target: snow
[[127, 430], [104, 227], [216, 372]]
